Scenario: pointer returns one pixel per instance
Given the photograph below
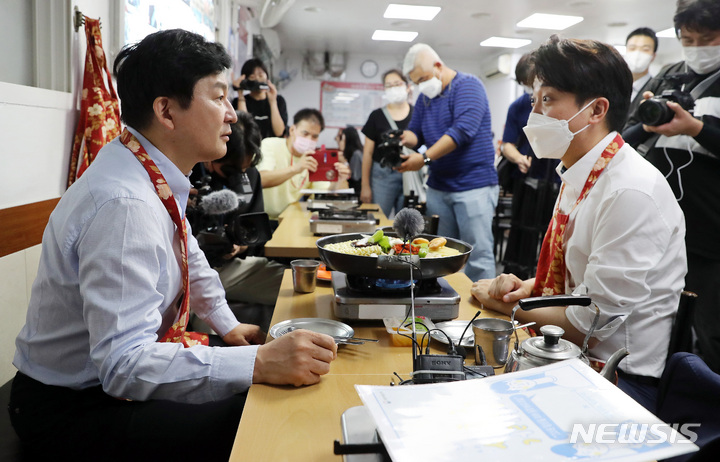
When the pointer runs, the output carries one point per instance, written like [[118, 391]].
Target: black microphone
[[408, 223], [219, 202]]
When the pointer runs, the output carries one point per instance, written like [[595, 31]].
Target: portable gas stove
[[334, 221], [362, 297], [326, 201]]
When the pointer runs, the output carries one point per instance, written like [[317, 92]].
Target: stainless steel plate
[[454, 330], [320, 325]]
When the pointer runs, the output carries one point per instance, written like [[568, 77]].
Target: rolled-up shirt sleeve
[[468, 111], [124, 264]]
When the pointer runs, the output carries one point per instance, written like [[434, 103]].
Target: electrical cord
[[680, 186]]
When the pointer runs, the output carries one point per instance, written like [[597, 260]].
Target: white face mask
[[702, 60], [638, 61], [396, 94], [549, 137], [304, 145], [431, 87]]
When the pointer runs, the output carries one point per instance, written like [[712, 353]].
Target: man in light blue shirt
[[93, 380]]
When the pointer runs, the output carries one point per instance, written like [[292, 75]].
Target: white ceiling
[[347, 25]]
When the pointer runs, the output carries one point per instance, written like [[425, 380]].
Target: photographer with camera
[[263, 102], [287, 163], [228, 219], [685, 147], [382, 184]]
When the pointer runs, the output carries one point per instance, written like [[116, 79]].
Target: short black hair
[[250, 65], [244, 142], [309, 114], [394, 71], [645, 32], [697, 15], [167, 63], [588, 69], [523, 70]]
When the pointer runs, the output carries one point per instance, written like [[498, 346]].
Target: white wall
[[37, 127], [304, 91]]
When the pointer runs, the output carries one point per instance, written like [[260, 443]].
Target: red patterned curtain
[[99, 110]]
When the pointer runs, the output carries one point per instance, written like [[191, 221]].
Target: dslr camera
[[390, 147], [655, 111], [253, 85], [219, 225]]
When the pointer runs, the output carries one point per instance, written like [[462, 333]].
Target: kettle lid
[[550, 345]]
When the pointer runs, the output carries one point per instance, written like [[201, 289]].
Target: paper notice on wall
[[564, 411]]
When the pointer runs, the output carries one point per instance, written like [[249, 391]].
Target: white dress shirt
[[625, 248], [638, 84], [108, 286]]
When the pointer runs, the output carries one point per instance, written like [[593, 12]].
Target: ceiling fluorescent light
[[549, 21], [420, 13], [667, 33], [394, 35], [502, 42]]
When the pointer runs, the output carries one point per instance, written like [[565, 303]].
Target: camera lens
[[655, 111]]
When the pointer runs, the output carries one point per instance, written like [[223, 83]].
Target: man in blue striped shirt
[[452, 118]]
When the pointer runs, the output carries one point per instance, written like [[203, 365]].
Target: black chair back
[[681, 334]]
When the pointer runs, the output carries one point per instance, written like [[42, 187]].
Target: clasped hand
[[502, 293]]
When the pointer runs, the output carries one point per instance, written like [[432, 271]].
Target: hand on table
[[245, 334], [297, 358], [366, 195], [502, 293]]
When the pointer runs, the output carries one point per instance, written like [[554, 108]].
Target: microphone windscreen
[[219, 202], [408, 223]]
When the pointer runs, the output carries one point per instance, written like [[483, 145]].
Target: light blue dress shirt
[[108, 286]]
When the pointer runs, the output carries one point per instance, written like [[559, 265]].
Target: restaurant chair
[[689, 393], [501, 224], [681, 336]]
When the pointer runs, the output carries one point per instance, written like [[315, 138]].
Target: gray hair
[[414, 57]]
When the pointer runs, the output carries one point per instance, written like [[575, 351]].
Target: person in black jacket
[[687, 151], [246, 277]]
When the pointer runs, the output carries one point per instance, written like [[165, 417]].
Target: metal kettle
[[551, 347]]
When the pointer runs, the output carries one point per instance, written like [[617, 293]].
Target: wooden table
[[293, 239], [284, 423]]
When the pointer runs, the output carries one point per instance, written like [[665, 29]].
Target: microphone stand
[[412, 307]]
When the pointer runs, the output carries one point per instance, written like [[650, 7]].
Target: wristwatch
[[426, 159]]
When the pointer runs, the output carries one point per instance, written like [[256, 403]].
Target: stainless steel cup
[[494, 336], [304, 275]]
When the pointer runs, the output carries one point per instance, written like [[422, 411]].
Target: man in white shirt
[[617, 235], [99, 377], [287, 162], [640, 50]]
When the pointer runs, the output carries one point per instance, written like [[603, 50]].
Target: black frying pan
[[367, 266]]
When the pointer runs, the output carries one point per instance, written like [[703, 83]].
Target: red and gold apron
[[99, 121], [178, 331], [551, 270]]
